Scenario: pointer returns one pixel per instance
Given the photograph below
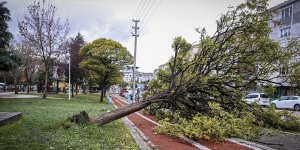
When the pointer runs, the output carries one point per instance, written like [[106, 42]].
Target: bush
[[217, 126]]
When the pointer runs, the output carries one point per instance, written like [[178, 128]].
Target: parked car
[[259, 98], [287, 102]]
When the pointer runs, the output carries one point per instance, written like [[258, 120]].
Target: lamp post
[[69, 75]]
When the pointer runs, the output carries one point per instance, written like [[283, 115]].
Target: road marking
[[192, 142]]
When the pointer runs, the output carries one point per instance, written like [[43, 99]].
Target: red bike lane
[[166, 142]]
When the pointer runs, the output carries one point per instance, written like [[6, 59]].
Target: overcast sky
[[161, 21]]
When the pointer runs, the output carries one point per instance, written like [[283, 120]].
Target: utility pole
[[134, 64]]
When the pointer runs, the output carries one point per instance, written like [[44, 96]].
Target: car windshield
[[251, 96], [283, 98], [293, 98]]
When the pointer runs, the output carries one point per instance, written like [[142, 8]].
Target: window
[[282, 98], [293, 98], [263, 96], [285, 32], [287, 12], [251, 96]]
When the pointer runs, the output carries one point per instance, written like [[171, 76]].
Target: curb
[[139, 137], [142, 141], [249, 144]]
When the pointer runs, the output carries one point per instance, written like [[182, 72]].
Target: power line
[[145, 16], [143, 12], [135, 14], [146, 22], [144, 2]]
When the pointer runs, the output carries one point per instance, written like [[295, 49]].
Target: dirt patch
[[280, 140]]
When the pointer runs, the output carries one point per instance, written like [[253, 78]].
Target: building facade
[[140, 76], [288, 15]]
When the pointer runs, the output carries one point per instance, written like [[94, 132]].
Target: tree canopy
[[77, 73], [8, 59], [104, 58]]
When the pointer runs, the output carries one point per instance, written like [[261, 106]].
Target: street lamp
[[69, 74]]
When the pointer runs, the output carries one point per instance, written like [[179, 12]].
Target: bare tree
[[44, 32]]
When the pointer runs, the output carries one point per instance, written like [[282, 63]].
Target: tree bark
[[131, 108], [46, 83]]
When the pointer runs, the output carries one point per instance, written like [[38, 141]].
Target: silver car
[[287, 102], [259, 98]]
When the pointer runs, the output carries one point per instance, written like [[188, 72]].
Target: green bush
[[217, 126]]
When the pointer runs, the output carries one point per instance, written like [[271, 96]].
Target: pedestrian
[[109, 99]]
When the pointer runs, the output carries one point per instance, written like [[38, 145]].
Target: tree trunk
[[39, 88], [104, 92], [72, 89], [83, 88], [46, 83], [102, 95], [131, 108], [28, 88], [16, 83], [57, 87], [76, 89]]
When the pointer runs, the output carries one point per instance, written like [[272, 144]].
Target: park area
[[44, 125]]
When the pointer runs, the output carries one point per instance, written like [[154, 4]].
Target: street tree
[[104, 58], [44, 32], [237, 57], [29, 64], [77, 73], [8, 59]]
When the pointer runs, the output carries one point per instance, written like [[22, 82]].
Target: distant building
[[127, 75], [144, 77], [288, 14], [140, 76]]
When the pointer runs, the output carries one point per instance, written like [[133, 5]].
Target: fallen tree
[[238, 57]]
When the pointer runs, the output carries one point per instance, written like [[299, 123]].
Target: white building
[[288, 14]]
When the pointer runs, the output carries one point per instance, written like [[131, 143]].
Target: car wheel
[[273, 105], [297, 107]]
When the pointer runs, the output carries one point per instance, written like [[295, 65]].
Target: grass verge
[[43, 121]]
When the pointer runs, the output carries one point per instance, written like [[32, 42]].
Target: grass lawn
[[43, 122]]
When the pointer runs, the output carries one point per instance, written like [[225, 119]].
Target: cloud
[[93, 21]]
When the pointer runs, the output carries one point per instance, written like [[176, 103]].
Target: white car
[[259, 98], [288, 102]]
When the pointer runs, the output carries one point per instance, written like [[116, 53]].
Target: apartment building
[[288, 14]]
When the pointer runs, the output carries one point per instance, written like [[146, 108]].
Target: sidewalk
[[147, 123], [13, 95]]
